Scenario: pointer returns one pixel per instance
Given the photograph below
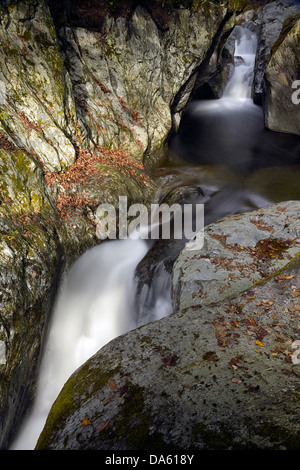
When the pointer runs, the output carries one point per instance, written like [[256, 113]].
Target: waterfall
[[240, 84], [95, 305]]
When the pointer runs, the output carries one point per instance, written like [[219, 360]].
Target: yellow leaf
[[259, 343], [86, 421]]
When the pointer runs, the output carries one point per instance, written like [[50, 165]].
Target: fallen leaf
[[112, 384], [101, 428], [86, 421], [236, 381], [170, 361], [251, 321], [259, 343], [210, 356], [107, 400], [254, 389], [297, 307]]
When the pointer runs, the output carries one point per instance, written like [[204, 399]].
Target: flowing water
[[223, 148]]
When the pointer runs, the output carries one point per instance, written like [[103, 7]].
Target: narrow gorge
[[139, 344]]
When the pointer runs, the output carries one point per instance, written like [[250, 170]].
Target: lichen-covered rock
[[36, 106], [33, 253], [214, 377], [270, 19], [282, 112], [232, 260]]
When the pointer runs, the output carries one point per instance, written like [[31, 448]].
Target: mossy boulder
[[212, 376]]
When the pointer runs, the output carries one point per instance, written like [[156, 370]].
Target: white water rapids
[[96, 300]]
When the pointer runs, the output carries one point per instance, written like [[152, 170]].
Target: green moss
[[80, 386], [279, 436], [146, 339], [133, 424], [213, 439]]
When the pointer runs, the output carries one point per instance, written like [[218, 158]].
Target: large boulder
[[222, 372], [232, 260]]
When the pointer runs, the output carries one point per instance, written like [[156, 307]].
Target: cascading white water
[[239, 85], [95, 305]]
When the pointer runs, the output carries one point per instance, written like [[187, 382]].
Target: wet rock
[[270, 19], [282, 112], [208, 376]]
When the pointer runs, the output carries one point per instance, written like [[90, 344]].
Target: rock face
[[126, 78], [34, 249], [219, 373], [36, 104], [282, 105], [270, 18]]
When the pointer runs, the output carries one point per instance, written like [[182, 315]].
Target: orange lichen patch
[[136, 117], [123, 103], [24, 50], [101, 85]]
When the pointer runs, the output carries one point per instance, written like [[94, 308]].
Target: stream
[[223, 148]]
